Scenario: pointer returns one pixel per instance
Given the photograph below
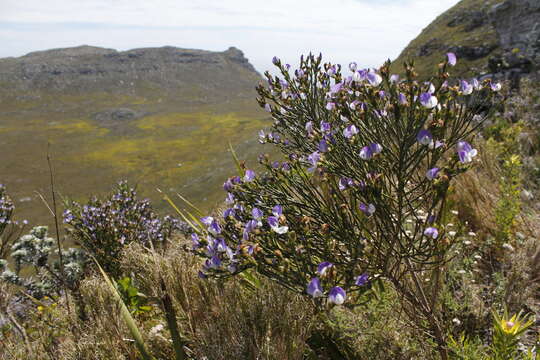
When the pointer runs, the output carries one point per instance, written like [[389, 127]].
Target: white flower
[[455, 212], [472, 234], [456, 321], [452, 233]]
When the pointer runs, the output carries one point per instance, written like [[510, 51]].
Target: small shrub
[[36, 253], [105, 227]]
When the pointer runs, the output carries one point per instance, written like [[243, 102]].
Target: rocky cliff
[[491, 37], [85, 69]]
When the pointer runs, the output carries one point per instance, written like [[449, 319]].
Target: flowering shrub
[[9, 229], [361, 192], [104, 227]]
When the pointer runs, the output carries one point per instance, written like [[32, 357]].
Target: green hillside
[[168, 128]]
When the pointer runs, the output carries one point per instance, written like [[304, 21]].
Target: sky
[[365, 31]]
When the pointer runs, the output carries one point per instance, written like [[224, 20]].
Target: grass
[[174, 147]]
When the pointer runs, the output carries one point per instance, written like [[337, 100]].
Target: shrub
[[362, 192], [35, 253], [105, 227], [9, 228]]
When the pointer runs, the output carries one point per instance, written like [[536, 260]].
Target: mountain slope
[[160, 117], [489, 37]]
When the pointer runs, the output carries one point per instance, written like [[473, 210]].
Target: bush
[[361, 195], [105, 227]]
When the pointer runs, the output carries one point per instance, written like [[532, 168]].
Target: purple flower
[[275, 60], [336, 88], [330, 106], [394, 78], [323, 146], [229, 199], [428, 100], [360, 75], [432, 173], [374, 78], [465, 152], [323, 267], [353, 66], [314, 288], [367, 209], [402, 99], [267, 107], [195, 241], [465, 87], [475, 83], [367, 152], [215, 262], [314, 159], [257, 213], [361, 280], [249, 176], [345, 183], [273, 221], [214, 228], [207, 220], [250, 226], [228, 213], [325, 126], [350, 131], [309, 128], [337, 295], [424, 137], [451, 58], [495, 86], [431, 232], [331, 70], [277, 210], [221, 245]]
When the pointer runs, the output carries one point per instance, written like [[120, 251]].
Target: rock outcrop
[[85, 69], [494, 38]]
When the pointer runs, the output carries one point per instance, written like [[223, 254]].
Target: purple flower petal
[[424, 137], [432, 173], [451, 58], [314, 288], [350, 131], [249, 176], [361, 280], [337, 295], [431, 232], [324, 267]]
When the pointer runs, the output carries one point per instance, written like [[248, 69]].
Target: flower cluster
[[367, 162], [104, 227], [9, 229]]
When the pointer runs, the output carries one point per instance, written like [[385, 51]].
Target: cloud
[[344, 30]]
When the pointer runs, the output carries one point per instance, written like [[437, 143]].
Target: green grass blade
[[236, 161], [130, 322]]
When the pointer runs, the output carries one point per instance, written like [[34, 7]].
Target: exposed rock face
[[517, 23], [85, 68], [495, 38]]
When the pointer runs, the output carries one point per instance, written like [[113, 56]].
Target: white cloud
[[343, 30]]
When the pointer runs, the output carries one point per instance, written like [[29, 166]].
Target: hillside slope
[[160, 117], [488, 36]]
